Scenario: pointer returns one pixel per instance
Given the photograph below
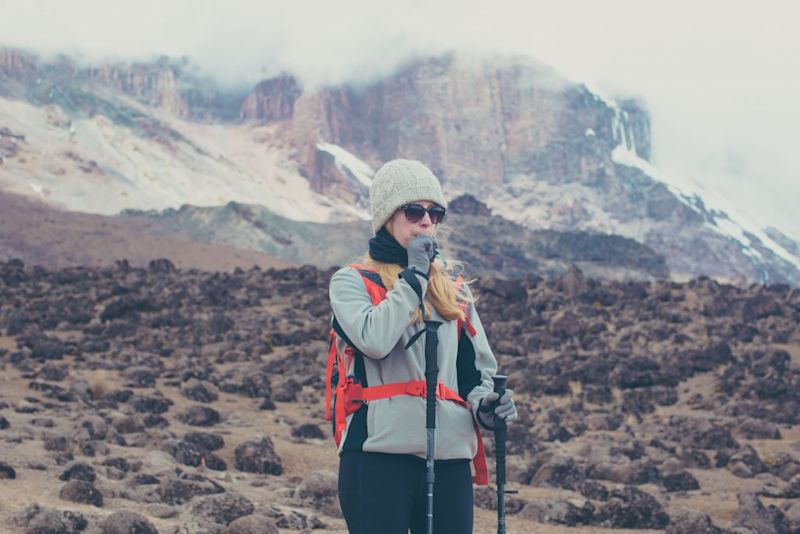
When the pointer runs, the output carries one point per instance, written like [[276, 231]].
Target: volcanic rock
[[258, 456], [760, 520], [182, 488], [689, 521], [559, 511], [200, 416], [82, 492], [79, 471], [252, 524], [127, 522], [7, 472], [37, 519], [631, 508]]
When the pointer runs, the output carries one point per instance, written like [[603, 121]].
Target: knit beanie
[[399, 182]]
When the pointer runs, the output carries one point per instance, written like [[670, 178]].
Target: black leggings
[[386, 494]]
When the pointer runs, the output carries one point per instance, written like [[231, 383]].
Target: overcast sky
[[721, 78]]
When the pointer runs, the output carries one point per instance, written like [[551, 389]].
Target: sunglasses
[[414, 213]]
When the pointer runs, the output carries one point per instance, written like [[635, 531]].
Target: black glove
[[421, 252]]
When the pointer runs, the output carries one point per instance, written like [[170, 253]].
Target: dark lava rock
[[150, 403], [79, 471], [558, 512], [256, 385], [53, 373], [4, 423], [309, 430], [754, 516], [7, 472], [267, 404], [679, 481], [792, 490], [57, 443], [631, 508], [691, 522], [95, 427], [258, 456], [119, 463], [200, 416], [140, 377], [298, 521], [486, 497], [319, 491], [129, 424], [207, 440], [195, 455], [199, 391], [252, 524], [750, 428], [181, 489], [46, 348], [39, 520], [554, 470], [126, 522], [222, 508], [592, 490], [745, 463], [286, 390], [82, 492]]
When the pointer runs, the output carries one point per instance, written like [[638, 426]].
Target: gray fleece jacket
[[397, 424]]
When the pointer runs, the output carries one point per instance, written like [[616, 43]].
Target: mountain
[[542, 151], [39, 234], [489, 245]]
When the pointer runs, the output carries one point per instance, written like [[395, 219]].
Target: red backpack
[[346, 396]]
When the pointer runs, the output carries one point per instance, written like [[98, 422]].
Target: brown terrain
[[156, 399], [42, 235]]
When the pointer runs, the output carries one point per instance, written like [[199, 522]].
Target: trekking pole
[[500, 436], [431, 378]]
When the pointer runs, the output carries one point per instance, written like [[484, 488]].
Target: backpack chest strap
[[355, 396]]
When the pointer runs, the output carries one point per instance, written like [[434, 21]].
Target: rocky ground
[[164, 400]]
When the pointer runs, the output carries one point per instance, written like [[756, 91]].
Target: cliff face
[[536, 148], [473, 123]]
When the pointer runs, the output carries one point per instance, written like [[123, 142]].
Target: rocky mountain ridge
[[489, 245], [538, 149]]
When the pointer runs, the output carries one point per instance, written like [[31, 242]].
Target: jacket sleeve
[[374, 330], [485, 362]]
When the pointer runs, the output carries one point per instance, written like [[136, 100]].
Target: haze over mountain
[[538, 149]]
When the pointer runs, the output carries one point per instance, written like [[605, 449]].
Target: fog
[[720, 78]]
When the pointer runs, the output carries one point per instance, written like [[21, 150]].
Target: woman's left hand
[[504, 407]]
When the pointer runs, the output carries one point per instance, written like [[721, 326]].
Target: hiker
[[377, 365]]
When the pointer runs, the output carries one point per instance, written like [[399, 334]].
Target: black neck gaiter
[[385, 248]]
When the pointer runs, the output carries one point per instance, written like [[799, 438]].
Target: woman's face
[[404, 231]]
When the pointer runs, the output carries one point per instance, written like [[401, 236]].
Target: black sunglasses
[[414, 213]]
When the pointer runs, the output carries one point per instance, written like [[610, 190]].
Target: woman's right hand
[[421, 251]]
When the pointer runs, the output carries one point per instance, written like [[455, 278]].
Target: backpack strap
[[356, 396]]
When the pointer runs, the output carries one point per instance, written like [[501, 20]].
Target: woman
[[382, 471]]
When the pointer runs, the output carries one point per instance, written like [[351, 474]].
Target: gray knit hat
[[399, 182]]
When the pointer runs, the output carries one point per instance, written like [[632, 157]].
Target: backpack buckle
[[416, 389]]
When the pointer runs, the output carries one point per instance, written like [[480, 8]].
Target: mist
[[720, 79]]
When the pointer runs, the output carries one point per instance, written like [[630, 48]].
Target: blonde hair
[[445, 292]]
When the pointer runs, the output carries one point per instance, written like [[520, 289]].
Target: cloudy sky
[[721, 78]]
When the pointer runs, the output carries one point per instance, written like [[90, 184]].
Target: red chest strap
[[355, 396]]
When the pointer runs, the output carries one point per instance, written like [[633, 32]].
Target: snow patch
[[346, 162], [38, 189], [692, 194]]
